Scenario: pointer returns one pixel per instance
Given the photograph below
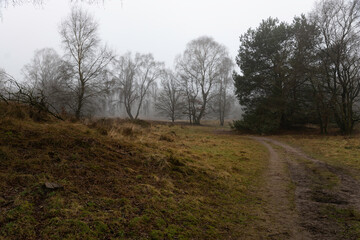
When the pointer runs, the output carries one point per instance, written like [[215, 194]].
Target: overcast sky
[[161, 27]]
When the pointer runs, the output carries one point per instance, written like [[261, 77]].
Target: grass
[[344, 154], [338, 151], [125, 180]]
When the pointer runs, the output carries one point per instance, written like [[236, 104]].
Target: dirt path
[[307, 198]]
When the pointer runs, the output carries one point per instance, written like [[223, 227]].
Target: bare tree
[[134, 78], [199, 68], [225, 90], [190, 89], [49, 76], [169, 102], [14, 91], [11, 90], [148, 72], [339, 23], [124, 80], [88, 58]]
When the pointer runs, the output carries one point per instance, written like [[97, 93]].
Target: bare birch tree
[[199, 67], [124, 82], [134, 78], [88, 58], [225, 90]]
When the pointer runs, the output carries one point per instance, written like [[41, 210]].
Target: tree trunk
[[80, 100], [196, 121], [128, 110]]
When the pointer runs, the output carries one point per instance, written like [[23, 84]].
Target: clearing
[[149, 180]]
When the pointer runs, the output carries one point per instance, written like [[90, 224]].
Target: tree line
[[294, 73], [304, 72], [91, 80]]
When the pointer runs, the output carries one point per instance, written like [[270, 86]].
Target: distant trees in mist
[[307, 71], [199, 69], [49, 76], [91, 80], [170, 99], [133, 78]]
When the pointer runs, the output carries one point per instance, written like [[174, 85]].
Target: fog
[[161, 27]]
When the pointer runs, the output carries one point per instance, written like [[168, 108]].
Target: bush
[[261, 124]]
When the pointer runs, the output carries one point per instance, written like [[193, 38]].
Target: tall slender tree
[[224, 91], [81, 42]]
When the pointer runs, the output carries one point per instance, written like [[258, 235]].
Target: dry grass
[[125, 180]]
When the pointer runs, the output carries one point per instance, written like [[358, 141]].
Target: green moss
[[20, 222], [101, 229], [160, 223], [157, 235]]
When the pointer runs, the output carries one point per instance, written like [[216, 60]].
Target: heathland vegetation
[[124, 179]]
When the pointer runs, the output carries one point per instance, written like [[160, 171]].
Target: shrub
[[261, 124]]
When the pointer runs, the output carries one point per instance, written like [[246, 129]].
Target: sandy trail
[[297, 195]]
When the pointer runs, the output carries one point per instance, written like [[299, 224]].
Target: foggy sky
[[161, 27]]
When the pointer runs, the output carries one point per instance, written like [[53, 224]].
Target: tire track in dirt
[[314, 202], [281, 218]]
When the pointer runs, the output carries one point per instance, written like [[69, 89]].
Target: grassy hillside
[[125, 180]]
